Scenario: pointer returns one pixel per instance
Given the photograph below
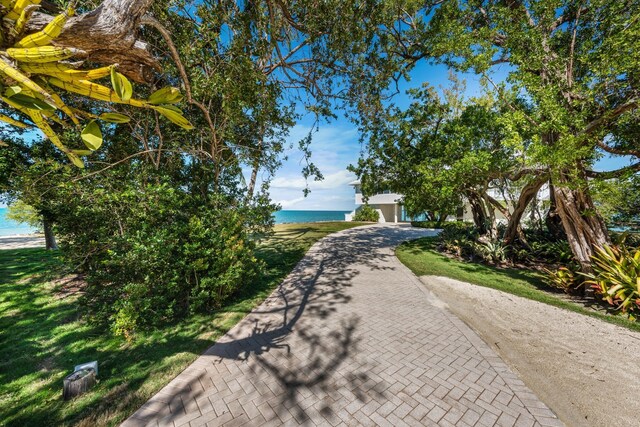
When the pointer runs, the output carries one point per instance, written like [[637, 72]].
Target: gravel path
[[587, 370], [350, 338]]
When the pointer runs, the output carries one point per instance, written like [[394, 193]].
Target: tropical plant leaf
[[75, 160], [12, 90], [166, 95], [121, 85], [31, 103], [82, 152], [92, 135], [174, 115], [114, 118]]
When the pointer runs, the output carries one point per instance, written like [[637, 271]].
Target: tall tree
[[575, 61], [443, 149]]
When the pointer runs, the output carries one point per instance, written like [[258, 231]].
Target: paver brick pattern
[[350, 338]]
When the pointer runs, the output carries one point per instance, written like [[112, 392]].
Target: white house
[[390, 208], [386, 203]]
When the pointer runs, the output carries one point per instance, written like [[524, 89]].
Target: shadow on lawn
[[43, 337], [297, 341]]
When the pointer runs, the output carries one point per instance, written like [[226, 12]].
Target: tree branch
[[563, 19], [595, 124], [148, 20], [615, 173], [613, 150]]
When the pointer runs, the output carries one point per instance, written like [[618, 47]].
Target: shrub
[[426, 224], [616, 278], [627, 238], [458, 238], [459, 246], [156, 254], [458, 229], [539, 235], [555, 252], [366, 213]]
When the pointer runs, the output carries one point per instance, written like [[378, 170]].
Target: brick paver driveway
[[351, 337]]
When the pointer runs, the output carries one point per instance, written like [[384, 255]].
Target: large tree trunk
[[108, 35], [252, 180], [552, 220], [490, 214], [584, 227], [49, 237], [527, 194], [479, 213]]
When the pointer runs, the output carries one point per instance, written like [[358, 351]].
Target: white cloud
[[331, 181], [289, 203]]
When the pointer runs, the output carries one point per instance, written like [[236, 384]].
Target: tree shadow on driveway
[[298, 349]]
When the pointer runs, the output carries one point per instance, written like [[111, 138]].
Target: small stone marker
[[89, 365], [80, 381]]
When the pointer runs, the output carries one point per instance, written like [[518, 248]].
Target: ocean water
[[9, 228], [284, 217]]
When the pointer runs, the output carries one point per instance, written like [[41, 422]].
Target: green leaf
[[31, 103], [82, 152], [92, 136], [114, 118], [174, 115], [121, 85], [12, 90], [166, 95], [75, 160]]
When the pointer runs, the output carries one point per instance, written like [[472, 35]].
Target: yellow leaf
[[114, 118], [174, 115], [92, 136], [121, 85]]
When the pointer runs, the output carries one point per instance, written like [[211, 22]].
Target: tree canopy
[[574, 63]]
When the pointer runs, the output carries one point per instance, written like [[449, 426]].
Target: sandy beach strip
[[22, 241]]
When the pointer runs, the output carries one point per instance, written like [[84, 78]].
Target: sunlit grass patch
[[43, 336], [423, 259]]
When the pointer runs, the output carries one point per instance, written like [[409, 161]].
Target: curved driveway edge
[[351, 337]]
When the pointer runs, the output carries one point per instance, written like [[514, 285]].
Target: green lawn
[[422, 258], [42, 337]]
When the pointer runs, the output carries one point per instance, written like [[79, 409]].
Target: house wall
[[379, 199], [468, 215], [387, 210]]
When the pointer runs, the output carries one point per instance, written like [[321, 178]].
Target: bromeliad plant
[[617, 278], [564, 278], [33, 71], [491, 252]]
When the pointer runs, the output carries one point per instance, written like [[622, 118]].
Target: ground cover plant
[[44, 335], [614, 281], [424, 259]]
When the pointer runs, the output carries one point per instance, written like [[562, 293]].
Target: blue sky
[[336, 145]]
